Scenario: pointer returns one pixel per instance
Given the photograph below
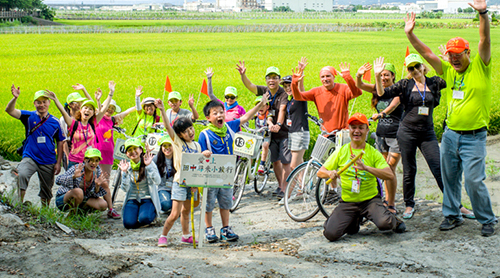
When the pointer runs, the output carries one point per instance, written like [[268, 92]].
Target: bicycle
[[300, 194]]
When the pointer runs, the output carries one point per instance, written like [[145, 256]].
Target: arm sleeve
[[138, 104], [302, 96], [233, 125], [202, 140], [261, 90], [241, 110], [354, 91], [152, 172], [397, 89], [125, 181], [66, 179]]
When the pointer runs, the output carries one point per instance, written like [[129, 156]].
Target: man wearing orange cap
[[463, 145], [360, 196]]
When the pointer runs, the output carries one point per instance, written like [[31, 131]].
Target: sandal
[[409, 215], [469, 215], [393, 210]]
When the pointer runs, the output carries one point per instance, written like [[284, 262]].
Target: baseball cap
[[358, 118], [165, 139], [147, 100], [413, 59], [231, 91], [133, 142], [117, 108], [74, 97], [456, 45], [286, 79], [175, 95], [274, 70], [93, 152], [258, 99], [390, 67], [39, 94], [89, 102]]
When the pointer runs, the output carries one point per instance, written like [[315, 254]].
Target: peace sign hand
[[191, 100]]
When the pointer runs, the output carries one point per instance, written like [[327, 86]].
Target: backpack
[[75, 127]]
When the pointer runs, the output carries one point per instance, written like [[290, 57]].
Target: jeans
[[465, 154], [137, 214], [165, 200]]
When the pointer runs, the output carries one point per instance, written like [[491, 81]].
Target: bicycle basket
[[342, 138], [322, 149], [247, 144]]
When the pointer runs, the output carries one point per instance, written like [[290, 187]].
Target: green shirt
[[368, 188], [145, 124], [473, 111]]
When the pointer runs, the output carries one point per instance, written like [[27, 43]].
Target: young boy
[[218, 139], [261, 121], [175, 102], [233, 109]]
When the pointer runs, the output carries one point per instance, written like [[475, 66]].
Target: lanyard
[[422, 96], [83, 131], [355, 169], [188, 149], [172, 121], [145, 122], [274, 98], [461, 82], [135, 180], [85, 182], [288, 106]]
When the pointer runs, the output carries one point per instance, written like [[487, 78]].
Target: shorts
[[28, 167], [224, 197], [267, 139], [298, 141], [179, 193], [65, 207], [385, 145], [280, 151]]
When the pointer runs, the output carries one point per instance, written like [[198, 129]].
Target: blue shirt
[[219, 145], [40, 145]]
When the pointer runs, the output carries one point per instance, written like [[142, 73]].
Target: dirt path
[[270, 245]]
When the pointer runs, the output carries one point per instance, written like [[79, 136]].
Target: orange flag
[[407, 53], [204, 88], [367, 76], [168, 87]]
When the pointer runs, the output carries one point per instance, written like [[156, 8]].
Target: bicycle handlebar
[[201, 122]]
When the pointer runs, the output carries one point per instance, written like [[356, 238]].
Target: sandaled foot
[[409, 214]]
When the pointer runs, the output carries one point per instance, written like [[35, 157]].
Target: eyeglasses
[[272, 77], [231, 97], [417, 66], [456, 55]]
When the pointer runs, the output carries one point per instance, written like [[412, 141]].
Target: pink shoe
[[188, 241], [162, 242], [261, 169], [113, 214]]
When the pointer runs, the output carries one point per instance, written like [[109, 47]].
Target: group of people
[[84, 141]]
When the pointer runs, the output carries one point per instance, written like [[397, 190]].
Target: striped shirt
[[67, 183]]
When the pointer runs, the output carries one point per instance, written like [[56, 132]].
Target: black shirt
[[276, 101], [296, 111], [388, 126]]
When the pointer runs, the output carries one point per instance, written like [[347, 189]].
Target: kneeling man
[[360, 196]]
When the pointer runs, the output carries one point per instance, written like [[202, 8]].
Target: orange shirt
[[332, 104]]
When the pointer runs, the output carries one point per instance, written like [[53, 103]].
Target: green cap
[[231, 91], [165, 139], [89, 102], [117, 108], [74, 97], [93, 152], [133, 142], [274, 70], [390, 67], [413, 59], [258, 100], [39, 94], [175, 95]]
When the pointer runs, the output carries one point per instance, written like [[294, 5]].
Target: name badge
[[289, 122], [355, 186], [422, 110], [458, 94], [40, 140]]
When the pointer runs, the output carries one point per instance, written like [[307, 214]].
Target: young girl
[[82, 185], [183, 141], [260, 122], [140, 181], [146, 114], [164, 162]]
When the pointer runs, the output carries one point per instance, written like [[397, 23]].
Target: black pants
[[426, 141], [346, 216]]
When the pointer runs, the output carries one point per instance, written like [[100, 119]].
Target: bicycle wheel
[[300, 202], [260, 181], [327, 198], [116, 184], [240, 179]]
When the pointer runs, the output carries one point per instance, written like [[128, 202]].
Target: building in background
[[237, 5], [445, 6], [300, 5]]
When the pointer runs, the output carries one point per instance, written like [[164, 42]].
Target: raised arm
[[52, 96], [345, 70], [302, 65], [421, 48], [484, 30], [359, 78], [251, 113], [138, 93], [209, 72], [242, 70], [170, 130], [98, 96], [378, 67], [193, 109], [11, 106], [79, 87], [105, 106], [119, 117], [297, 92]]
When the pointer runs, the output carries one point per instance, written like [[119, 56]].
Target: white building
[[198, 6], [237, 5], [300, 5], [447, 6]]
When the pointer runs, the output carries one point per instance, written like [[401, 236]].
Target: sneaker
[[450, 223], [162, 242], [400, 226], [488, 229], [281, 195], [261, 169], [277, 191], [113, 214], [227, 234], [188, 241], [210, 235]]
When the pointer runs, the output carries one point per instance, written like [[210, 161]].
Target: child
[[164, 162], [140, 181], [175, 102], [233, 110], [182, 134], [218, 139], [146, 114], [260, 122], [82, 185]]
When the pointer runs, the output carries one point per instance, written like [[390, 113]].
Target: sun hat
[[93, 152], [39, 94], [89, 102], [413, 59], [274, 70], [174, 95], [148, 100], [165, 139], [258, 100], [133, 142], [456, 45], [286, 79], [117, 108], [231, 91], [358, 118], [390, 67], [74, 97]]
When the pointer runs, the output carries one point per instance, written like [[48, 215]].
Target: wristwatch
[[278, 123]]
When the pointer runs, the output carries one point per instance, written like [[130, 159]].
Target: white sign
[[152, 141], [246, 144], [119, 151], [214, 171]]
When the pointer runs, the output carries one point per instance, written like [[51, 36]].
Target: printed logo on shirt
[[214, 142]]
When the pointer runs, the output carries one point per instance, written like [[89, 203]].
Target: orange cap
[[456, 45], [358, 118]]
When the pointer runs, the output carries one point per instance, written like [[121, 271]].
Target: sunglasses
[[417, 66], [231, 97]]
